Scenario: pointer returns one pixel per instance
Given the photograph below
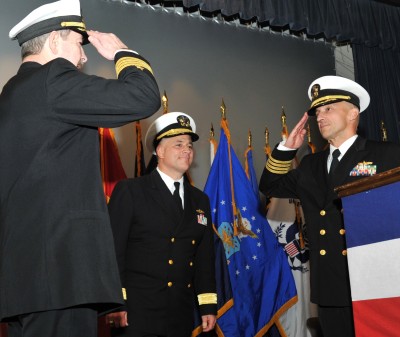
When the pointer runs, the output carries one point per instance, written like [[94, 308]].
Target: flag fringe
[[277, 315]]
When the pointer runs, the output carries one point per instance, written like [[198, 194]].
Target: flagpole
[[213, 144], [246, 164], [224, 126], [267, 148]]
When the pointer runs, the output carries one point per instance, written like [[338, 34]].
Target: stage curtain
[[366, 22], [378, 71]]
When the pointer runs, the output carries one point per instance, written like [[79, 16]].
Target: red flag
[[111, 166]]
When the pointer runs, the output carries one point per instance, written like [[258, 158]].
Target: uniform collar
[[344, 147], [170, 182]]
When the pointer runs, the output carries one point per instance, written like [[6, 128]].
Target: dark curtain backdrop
[[366, 22], [379, 72]]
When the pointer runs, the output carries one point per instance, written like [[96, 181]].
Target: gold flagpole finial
[[212, 131], [285, 132], [249, 138], [164, 100], [267, 148], [384, 132], [283, 117], [223, 109]]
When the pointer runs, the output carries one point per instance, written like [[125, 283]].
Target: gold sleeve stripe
[[326, 99], [124, 62], [208, 298], [124, 294], [278, 166]]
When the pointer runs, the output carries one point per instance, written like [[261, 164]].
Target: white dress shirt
[[170, 184], [342, 148]]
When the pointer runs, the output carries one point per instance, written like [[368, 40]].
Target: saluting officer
[[57, 262], [336, 102], [164, 240]]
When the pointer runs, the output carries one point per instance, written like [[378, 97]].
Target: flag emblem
[[231, 243]]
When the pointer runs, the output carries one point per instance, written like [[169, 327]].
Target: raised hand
[[296, 137], [105, 43]]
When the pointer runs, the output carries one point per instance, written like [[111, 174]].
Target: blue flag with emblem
[[261, 280]]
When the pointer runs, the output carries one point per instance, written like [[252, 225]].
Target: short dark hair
[[35, 45]]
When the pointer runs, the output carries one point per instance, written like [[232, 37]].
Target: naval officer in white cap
[[164, 240], [336, 102], [58, 267]]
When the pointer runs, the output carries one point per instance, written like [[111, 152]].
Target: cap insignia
[[315, 90], [183, 121]]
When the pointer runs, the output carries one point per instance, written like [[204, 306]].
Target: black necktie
[[177, 197], [335, 161]]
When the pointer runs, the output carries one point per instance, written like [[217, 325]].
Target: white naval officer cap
[[63, 14], [330, 89], [168, 125]]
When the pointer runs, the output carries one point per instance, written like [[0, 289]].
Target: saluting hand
[[105, 43], [296, 137]]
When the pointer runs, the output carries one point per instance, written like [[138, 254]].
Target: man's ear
[[354, 112], [160, 151], [54, 42]]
